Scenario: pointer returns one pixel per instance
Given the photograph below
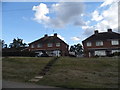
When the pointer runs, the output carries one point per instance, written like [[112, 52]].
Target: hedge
[[19, 53]]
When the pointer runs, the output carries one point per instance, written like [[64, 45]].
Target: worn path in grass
[[44, 71]]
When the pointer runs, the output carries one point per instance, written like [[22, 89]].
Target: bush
[[19, 53], [110, 55], [116, 54]]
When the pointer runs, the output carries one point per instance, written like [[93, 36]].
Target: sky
[[72, 21]]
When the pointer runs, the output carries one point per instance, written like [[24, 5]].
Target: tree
[[77, 49], [72, 49], [17, 43], [3, 43]]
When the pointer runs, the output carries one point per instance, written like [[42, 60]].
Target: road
[[11, 84]]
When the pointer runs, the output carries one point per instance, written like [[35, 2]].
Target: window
[[113, 51], [32, 46], [39, 45], [100, 53], [89, 44], [49, 44], [57, 44], [115, 42], [99, 43], [66, 46]]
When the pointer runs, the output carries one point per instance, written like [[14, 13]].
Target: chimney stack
[[96, 31], [45, 35], [109, 30], [55, 34]]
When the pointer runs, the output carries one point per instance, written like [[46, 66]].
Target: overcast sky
[[73, 21]]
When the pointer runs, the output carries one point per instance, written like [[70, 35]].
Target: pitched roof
[[103, 36], [48, 39]]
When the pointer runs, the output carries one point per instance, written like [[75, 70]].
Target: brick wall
[[106, 44], [63, 47]]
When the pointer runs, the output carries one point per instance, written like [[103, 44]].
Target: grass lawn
[[22, 68], [83, 73], [66, 72]]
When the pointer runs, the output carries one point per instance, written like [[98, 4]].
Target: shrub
[[116, 54], [19, 53]]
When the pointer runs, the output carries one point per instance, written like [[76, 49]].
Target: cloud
[[106, 18], [96, 16], [61, 37], [75, 38], [41, 12], [64, 13], [110, 19], [108, 2], [67, 13], [88, 30], [61, 14]]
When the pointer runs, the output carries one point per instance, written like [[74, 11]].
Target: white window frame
[[115, 42], [32, 46], [57, 44], [89, 44], [49, 44], [39, 45], [66, 46], [113, 51], [100, 53], [99, 43]]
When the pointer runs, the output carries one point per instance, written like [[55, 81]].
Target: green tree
[[3, 43], [17, 43], [77, 49], [72, 49]]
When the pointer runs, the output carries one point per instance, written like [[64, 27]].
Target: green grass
[[66, 72], [83, 73], [22, 68]]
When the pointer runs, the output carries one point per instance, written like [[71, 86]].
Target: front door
[[56, 53]]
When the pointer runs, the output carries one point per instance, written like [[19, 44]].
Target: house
[[101, 44], [52, 45]]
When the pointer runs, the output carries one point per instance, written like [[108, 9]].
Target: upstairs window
[[39, 45], [57, 44], [50, 44], [115, 42], [32, 46], [99, 43], [66, 46], [89, 44]]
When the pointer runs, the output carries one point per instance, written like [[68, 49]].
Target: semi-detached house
[[52, 45], [101, 44]]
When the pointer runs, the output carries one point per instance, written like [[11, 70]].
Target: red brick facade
[[106, 48], [54, 40]]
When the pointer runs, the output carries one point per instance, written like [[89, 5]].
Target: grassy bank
[[66, 72], [83, 73], [22, 68]]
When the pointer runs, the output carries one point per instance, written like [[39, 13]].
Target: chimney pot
[[109, 30], [55, 34], [45, 35], [96, 31]]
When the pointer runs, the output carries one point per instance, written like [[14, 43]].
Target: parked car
[[41, 54]]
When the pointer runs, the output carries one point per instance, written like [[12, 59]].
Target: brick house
[[101, 44], [52, 45]]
